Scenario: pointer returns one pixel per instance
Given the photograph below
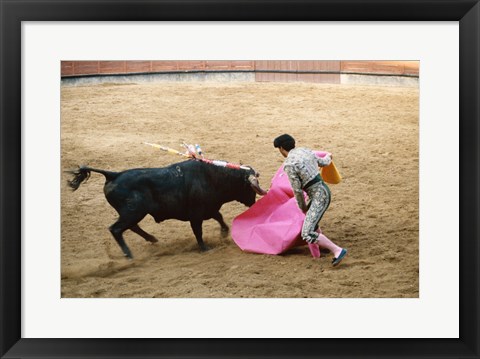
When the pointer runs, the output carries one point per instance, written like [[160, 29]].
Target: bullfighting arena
[[371, 130]]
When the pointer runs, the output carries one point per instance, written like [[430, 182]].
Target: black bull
[[188, 191]]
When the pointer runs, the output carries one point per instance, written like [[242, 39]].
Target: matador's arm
[[297, 187]]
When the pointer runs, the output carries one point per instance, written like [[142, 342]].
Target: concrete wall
[[379, 80], [159, 77]]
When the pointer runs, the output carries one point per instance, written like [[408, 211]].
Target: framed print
[[67, 290]]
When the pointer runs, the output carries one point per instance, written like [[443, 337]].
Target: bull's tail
[[82, 174]]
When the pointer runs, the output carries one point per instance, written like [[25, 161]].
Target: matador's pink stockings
[[324, 242]]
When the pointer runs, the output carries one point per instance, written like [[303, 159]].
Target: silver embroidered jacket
[[301, 167]]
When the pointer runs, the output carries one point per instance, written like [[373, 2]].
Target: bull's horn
[[256, 186]]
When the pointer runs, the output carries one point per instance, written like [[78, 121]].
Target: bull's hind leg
[[120, 226], [147, 236], [117, 230], [197, 230], [223, 226]]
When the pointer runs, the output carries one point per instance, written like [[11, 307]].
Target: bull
[[191, 191]]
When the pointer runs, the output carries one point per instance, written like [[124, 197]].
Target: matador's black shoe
[[336, 261]]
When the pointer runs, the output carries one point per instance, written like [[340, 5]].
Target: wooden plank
[[318, 65], [86, 67], [298, 66], [261, 77], [291, 66], [66, 68], [354, 66], [243, 65], [159, 66], [261, 65], [331, 65], [412, 68], [387, 67], [191, 65], [381, 67], [217, 65], [112, 67], [138, 66], [278, 65]]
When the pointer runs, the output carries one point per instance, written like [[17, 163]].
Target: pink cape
[[274, 223]]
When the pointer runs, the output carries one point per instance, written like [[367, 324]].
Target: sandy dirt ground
[[372, 132]]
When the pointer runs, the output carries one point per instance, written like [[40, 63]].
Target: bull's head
[[253, 179], [251, 182]]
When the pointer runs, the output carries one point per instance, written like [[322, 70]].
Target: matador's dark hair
[[285, 141]]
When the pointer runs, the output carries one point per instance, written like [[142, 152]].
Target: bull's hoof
[[152, 240], [128, 256], [224, 232], [205, 248]]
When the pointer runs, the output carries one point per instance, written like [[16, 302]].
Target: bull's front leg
[[197, 230], [223, 226]]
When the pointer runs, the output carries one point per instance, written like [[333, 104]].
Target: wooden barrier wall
[[76, 68], [265, 71], [304, 71]]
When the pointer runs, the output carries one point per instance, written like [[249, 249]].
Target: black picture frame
[[13, 12]]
